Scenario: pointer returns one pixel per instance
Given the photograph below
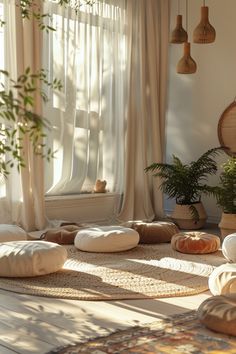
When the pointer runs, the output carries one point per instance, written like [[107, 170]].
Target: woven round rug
[[147, 271]]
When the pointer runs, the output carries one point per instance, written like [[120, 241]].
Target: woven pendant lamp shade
[[186, 65], [204, 32], [179, 35]]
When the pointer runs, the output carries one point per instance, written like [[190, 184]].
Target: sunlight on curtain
[[88, 53], [2, 67]]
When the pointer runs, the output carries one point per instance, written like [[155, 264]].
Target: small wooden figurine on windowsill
[[100, 186]]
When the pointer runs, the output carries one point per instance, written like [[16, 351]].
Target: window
[[88, 53]]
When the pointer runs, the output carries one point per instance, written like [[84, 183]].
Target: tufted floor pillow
[[106, 239], [219, 313], [195, 242], [229, 247], [155, 232], [223, 279], [11, 233], [30, 258]]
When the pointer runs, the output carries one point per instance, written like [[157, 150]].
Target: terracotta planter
[[183, 218], [227, 224]]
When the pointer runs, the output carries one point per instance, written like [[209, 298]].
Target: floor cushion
[[106, 239], [30, 258], [229, 247], [11, 233], [195, 242], [223, 279], [63, 235], [155, 232], [218, 313]]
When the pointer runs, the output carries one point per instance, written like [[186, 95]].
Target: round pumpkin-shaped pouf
[[218, 313], [195, 242], [155, 232]]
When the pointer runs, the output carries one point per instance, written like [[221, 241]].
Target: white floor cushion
[[106, 239], [11, 233], [30, 258], [223, 279], [229, 247]]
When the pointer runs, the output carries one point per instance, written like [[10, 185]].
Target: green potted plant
[[225, 194], [186, 183]]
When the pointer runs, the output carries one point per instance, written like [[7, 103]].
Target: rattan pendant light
[[179, 35], [186, 65], [204, 33]]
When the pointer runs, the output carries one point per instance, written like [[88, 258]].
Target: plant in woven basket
[[225, 194], [186, 183]]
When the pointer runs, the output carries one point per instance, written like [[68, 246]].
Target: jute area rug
[[147, 271], [179, 334]]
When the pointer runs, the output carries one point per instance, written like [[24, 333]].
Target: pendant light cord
[[178, 7], [204, 3]]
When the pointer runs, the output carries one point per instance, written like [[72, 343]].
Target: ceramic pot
[[182, 216], [227, 224]]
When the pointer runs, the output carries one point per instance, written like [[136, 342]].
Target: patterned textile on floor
[[179, 334]]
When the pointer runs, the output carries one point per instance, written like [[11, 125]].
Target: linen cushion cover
[[155, 232], [106, 239], [229, 247], [223, 279], [195, 242], [11, 233], [30, 258], [218, 313]]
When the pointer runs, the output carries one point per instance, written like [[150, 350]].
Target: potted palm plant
[[225, 194], [186, 183]]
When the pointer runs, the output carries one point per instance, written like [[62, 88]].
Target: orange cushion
[[219, 313], [195, 242], [155, 232]]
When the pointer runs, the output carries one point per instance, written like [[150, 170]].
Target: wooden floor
[[30, 324]]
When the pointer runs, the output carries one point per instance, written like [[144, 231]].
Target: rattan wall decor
[[227, 129]]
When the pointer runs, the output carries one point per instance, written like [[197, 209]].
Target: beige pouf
[[155, 232], [30, 258], [229, 247], [106, 239], [195, 242], [10, 233], [223, 279], [218, 313]]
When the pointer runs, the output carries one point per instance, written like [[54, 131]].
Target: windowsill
[[88, 207], [80, 196]]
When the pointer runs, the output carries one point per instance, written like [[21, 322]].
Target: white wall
[[196, 102]]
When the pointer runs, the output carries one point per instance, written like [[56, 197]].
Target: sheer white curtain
[[21, 195], [148, 31], [88, 53]]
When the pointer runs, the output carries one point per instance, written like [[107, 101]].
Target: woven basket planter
[[227, 224], [182, 216]]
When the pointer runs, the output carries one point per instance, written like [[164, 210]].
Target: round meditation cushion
[[229, 247], [106, 239], [218, 313], [223, 279], [30, 258], [155, 232], [12, 233], [195, 242]]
